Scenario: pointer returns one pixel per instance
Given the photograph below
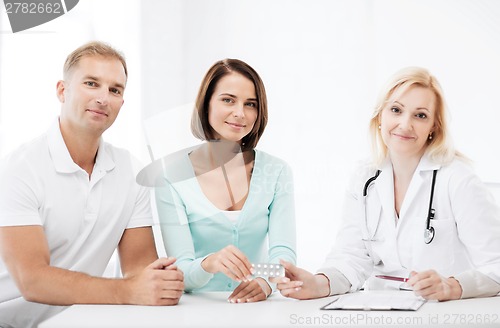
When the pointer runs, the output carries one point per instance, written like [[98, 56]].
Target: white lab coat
[[467, 229]]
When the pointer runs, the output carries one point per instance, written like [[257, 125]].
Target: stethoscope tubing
[[429, 232]]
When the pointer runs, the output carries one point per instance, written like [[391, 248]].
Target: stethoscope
[[429, 232]]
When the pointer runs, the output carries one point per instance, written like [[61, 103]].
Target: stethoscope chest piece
[[428, 235]]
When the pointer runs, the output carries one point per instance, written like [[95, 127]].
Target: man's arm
[[25, 252], [137, 250]]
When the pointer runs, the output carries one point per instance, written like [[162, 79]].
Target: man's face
[[92, 95]]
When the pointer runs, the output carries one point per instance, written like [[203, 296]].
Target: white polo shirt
[[83, 219]]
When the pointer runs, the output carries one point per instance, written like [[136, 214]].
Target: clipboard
[[376, 301]]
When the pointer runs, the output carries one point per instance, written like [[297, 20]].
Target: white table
[[212, 310]]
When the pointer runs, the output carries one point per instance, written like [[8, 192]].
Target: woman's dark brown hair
[[200, 126]]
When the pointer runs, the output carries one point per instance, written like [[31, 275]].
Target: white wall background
[[322, 62]]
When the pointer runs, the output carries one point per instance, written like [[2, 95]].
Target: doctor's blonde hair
[[440, 148]]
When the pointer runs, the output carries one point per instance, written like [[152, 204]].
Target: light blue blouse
[[193, 228]]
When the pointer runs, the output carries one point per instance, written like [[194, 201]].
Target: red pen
[[393, 278]]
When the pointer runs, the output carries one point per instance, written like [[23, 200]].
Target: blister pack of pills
[[268, 270]]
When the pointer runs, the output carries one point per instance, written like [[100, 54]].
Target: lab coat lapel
[[384, 187], [411, 193], [415, 188]]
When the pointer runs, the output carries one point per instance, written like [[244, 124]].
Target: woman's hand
[[251, 291], [432, 286], [301, 284], [230, 261]]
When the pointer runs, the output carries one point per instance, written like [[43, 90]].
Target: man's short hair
[[93, 48]]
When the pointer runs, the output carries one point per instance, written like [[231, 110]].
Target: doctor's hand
[[231, 262], [251, 291], [301, 284], [432, 286]]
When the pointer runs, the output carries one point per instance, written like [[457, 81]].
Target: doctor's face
[[407, 120]]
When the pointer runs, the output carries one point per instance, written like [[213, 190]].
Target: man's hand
[[160, 283]]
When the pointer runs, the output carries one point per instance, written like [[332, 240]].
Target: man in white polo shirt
[[68, 200]]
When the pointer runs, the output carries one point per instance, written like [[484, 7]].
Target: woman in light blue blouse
[[224, 205]]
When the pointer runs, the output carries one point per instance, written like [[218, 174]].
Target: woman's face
[[233, 108], [407, 120]]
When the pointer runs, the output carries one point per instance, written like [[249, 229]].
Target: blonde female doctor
[[416, 211]]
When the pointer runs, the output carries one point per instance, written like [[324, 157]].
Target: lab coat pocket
[[439, 253], [373, 247]]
